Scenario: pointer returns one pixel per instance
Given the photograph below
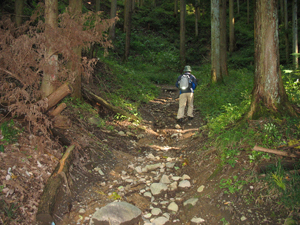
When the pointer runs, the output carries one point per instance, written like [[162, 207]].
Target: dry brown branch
[[277, 152], [58, 109]]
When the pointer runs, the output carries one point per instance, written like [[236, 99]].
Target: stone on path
[[191, 201], [158, 188], [184, 184], [117, 213], [165, 179], [160, 221], [173, 207], [197, 220], [201, 188]]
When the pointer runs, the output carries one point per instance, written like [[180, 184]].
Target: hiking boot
[[190, 118], [179, 120]]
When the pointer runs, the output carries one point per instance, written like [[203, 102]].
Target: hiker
[[186, 83]]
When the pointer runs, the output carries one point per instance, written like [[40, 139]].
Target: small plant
[[9, 133], [278, 179], [231, 185], [225, 222], [118, 116], [228, 156]]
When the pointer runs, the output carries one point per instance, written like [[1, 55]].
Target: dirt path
[[115, 165]]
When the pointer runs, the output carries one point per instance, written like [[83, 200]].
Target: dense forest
[[65, 62]]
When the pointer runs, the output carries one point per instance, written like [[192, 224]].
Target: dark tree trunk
[[268, 95], [182, 32], [127, 28], [223, 43]]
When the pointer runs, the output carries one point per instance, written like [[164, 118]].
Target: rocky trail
[[155, 172]]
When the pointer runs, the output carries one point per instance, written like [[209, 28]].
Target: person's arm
[[194, 82], [177, 82]]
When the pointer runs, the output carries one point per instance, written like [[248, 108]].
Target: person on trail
[[186, 83]]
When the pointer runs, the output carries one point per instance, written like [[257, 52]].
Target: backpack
[[184, 82]]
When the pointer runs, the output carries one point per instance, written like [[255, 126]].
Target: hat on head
[[187, 69]]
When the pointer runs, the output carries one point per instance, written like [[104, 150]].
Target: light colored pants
[[183, 99]]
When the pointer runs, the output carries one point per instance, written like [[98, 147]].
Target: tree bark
[[268, 95], [51, 14], [19, 4], [277, 152], [223, 44], [215, 42], [231, 26], [127, 28], [182, 33], [113, 13], [175, 8], [295, 34], [58, 110], [286, 33]]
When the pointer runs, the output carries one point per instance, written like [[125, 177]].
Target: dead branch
[[59, 94], [277, 152], [89, 95]]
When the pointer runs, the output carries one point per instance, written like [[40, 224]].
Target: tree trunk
[[113, 13], [51, 13], [215, 42], [223, 44], [248, 12], [127, 28], [97, 5], [19, 4], [175, 8], [197, 12], [231, 27], [268, 95], [295, 34], [286, 33], [76, 10], [182, 32]]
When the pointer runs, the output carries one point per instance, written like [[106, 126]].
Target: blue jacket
[[193, 83]]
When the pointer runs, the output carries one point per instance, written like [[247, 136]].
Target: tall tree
[[182, 32], [19, 4], [231, 26], [216, 76], [295, 34], [49, 76], [76, 10], [286, 33], [175, 8], [127, 27], [223, 43], [97, 5], [268, 95], [113, 13], [197, 16]]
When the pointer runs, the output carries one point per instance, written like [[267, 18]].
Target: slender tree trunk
[[268, 95], [216, 76], [231, 27], [295, 34], [51, 14], [248, 12], [197, 17], [19, 4], [223, 44], [76, 10], [175, 8], [286, 33], [127, 27], [97, 5], [182, 32], [113, 13], [281, 12]]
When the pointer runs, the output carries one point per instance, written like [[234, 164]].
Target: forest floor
[[105, 169]]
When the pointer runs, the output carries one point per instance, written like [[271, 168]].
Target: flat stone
[[173, 186], [117, 213], [197, 220], [158, 188], [191, 201], [153, 166], [185, 177], [184, 184], [160, 221], [156, 211], [201, 188], [165, 179], [173, 207]]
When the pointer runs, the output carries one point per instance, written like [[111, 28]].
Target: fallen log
[[271, 166], [52, 188], [277, 152], [58, 109], [58, 95], [89, 95]]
